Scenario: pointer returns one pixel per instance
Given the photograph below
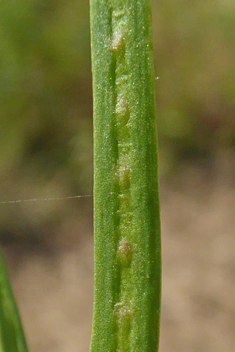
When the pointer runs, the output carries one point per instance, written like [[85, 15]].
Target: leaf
[[12, 337]]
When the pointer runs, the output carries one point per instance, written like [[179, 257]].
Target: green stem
[[126, 216]]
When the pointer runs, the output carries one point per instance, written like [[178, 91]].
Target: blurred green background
[[45, 87], [46, 114], [45, 107], [194, 53], [46, 98]]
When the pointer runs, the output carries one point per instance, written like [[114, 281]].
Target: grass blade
[[12, 337]]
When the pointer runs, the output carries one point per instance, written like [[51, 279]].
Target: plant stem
[[126, 202]]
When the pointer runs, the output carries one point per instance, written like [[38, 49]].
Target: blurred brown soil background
[[53, 280], [46, 152]]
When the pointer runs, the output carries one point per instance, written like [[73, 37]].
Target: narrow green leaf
[[126, 202], [12, 337]]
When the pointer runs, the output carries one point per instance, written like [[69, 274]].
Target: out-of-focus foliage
[[45, 109], [195, 62], [45, 93]]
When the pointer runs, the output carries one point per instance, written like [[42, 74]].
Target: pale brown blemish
[[124, 252], [119, 30], [117, 14], [124, 174], [122, 110], [122, 107], [122, 80], [118, 41], [122, 312], [117, 307]]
